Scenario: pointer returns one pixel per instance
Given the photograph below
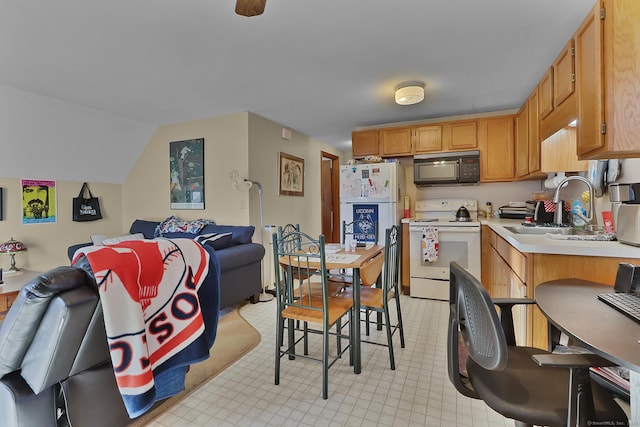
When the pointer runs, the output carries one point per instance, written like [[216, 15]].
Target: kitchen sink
[[544, 229], [564, 233], [535, 229]]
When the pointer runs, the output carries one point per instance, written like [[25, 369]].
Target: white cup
[[348, 243], [354, 245]]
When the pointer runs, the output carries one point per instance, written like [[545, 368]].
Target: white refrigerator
[[371, 191]]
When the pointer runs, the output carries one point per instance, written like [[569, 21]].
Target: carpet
[[235, 338]]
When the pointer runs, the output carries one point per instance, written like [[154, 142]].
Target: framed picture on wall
[[291, 175], [186, 171]]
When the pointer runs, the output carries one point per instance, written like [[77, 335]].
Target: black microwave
[[454, 168]]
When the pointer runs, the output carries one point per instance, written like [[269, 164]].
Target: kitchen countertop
[[543, 245]]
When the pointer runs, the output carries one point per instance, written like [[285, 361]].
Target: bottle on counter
[[489, 210]]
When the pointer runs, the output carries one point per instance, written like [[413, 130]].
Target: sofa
[[240, 259]]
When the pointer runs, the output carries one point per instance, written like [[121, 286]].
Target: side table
[[10, 289]]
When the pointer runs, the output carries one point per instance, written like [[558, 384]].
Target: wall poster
[[39, 202], [186, 169]]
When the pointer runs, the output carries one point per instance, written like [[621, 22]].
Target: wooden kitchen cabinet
[[558, 100], [461, 135], [396, 141], [522, 142], [427, 138], [507, 279], [535, 144], [365, 143], [608, 84], [527, 143], [545, 89], [496, 142]]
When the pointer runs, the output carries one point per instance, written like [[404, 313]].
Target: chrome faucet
[[560, 204]]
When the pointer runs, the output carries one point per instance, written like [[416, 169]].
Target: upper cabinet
[[545, 88], [396, 141], [522, 142], [608, 69], [557, 96], [461, 135], [496, 144], [428, 138], [365, 143]]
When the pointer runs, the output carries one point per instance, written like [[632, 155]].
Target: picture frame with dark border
[[186, 174], [291, 175]]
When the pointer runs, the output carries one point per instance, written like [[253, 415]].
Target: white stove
[[436, 238], [443, 212]]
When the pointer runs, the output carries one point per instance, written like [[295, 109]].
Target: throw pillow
[[114, 240], [216, 240], [175, 225], [97, 239]]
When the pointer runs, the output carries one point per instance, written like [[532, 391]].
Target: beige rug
[[235, 338]]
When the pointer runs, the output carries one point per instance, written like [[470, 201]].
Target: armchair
[[55, 367], [526, 384]]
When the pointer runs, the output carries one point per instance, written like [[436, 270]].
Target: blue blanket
[[161, 303]]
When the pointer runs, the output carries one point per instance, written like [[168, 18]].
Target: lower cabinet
[[512, 273]]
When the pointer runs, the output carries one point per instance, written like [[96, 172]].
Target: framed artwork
[[186, 171], [39, 204], [291, 175]]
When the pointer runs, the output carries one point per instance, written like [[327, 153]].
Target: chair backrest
[[392, 260], [362, 230], [46, 330], [475, 316], [288, 228], [300, 266]]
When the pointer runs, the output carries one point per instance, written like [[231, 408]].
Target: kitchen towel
[[429, 244]]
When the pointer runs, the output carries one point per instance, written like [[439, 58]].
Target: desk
[[11, 287], [365, 255], [572, 307]]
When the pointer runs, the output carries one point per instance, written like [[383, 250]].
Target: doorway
[[330, 196]]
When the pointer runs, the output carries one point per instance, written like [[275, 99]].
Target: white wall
[[46, 138], [146, 189]]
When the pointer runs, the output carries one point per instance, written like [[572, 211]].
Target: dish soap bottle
[[577, 207]]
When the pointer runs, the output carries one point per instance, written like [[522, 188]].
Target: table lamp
[[12, 247]]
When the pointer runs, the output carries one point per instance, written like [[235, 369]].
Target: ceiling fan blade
[[250, 7]]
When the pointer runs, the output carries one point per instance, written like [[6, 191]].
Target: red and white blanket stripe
[[152, 312]]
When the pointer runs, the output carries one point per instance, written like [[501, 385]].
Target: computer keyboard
[[628, 304]]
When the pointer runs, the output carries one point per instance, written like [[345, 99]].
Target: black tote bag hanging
[[86, 209]]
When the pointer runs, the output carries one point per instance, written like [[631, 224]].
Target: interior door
[[330, 197]]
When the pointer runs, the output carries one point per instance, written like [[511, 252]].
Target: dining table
[[572, 306], [351, 258]]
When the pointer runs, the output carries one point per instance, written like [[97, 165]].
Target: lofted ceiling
[[320, 67]]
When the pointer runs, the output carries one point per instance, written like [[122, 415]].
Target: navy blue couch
[[240, 258]]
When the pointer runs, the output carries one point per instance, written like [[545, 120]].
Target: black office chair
[[525, 384]]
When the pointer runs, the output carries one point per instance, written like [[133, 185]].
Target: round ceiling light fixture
[[410, 94]]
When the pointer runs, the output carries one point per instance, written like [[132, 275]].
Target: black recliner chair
[[55, 368]]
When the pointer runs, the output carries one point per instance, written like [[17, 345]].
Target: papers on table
[[341, 258]]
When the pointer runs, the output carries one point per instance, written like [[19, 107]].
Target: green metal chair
[[303, 295]]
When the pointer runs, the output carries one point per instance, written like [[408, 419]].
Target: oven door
[[455, 243]]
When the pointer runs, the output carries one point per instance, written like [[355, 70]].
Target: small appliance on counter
[[513, 210], [543, 211], [625, 200]]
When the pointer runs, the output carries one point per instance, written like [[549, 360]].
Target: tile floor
[[417, 393]]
